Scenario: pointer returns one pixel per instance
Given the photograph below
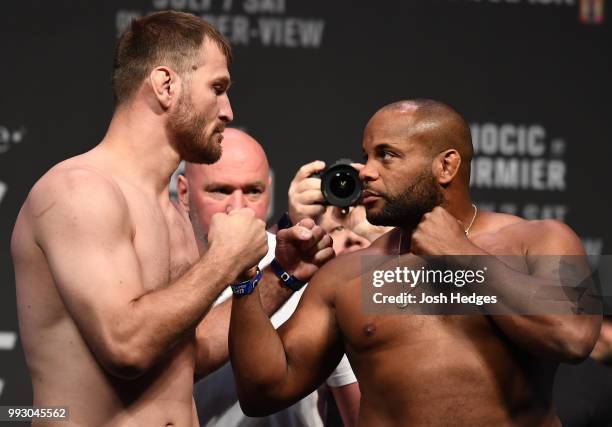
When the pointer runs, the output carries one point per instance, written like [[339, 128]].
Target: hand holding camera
[[314, 187]]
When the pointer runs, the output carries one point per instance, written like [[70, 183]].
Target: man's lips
[[369, 197]]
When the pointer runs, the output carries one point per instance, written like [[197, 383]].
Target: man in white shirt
[[240, 179]]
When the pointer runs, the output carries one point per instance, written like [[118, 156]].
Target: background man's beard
[[186, 131], [407, 208]]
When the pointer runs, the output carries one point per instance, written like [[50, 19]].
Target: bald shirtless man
[[110, 286], [420, 370]]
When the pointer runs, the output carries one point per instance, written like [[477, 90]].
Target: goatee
[[407, 208]]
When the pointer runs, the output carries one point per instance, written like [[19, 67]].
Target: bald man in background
[[421, 370], [241, 179]]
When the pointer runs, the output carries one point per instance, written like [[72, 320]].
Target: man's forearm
[[212, 333], [156, 321], [538, 314], [251, 333]]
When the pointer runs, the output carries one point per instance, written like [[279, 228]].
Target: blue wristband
[[248, 286], [288, 280]]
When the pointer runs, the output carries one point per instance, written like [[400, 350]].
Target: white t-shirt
[[216, 398]]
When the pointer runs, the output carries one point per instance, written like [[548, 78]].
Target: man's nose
[[236, 201], [225, 112], [368, 172]]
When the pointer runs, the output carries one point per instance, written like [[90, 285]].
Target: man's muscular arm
[[212, 349], [82, 223], [348, 398], [563, 337], [274, 369]]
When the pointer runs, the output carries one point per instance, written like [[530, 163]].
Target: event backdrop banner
[[532, 77]]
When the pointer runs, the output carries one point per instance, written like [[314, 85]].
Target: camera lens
[[342, 184]]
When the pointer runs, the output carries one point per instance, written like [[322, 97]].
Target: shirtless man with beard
[[421, 370], [110, 286]]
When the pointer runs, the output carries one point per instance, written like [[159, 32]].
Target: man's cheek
[[259, 207], [209, 207]]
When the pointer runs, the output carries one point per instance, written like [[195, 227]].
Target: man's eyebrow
[[217, 186], [383, 146], [257, 183]]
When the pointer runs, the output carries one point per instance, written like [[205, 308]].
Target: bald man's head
[[419, 155], [438, 126], [240, 179], [435, 125]]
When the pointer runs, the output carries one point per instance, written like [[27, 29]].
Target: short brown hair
[[162, 38]]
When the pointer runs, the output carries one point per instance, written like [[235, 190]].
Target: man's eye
[[338, 229], [219, 191], [219, 90], [386, 155]]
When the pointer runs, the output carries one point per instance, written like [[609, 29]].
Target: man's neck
[[138, 143], [463, 210]]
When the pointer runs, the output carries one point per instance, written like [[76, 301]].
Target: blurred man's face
[[196, 122], [338, 227]]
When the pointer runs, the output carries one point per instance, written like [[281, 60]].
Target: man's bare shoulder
[[76, 187], [544, 236]]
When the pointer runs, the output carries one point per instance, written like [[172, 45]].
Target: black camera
[[340, 184]]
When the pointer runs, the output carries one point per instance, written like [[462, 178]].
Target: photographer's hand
[[305, 197]]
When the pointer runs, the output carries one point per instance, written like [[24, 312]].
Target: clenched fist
[[303, 248], [239, 237], [439, 233]]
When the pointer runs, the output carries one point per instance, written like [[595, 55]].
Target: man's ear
[[165, 84], [446, 165], [182, 191]]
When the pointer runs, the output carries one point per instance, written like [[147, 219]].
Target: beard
[[407, 207], [187, 132]]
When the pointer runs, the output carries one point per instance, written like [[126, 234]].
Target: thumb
[[296, 233]]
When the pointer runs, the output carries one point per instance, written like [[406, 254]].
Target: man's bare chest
[[163, 242], [366, 329]]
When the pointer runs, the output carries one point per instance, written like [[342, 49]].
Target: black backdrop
[[531, 76]]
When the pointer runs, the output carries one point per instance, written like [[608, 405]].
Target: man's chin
[[209, 154], [384, 217], [375, 216], [380, 221]]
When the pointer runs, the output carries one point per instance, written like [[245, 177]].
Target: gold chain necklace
[[467, 230], [399, 253]]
